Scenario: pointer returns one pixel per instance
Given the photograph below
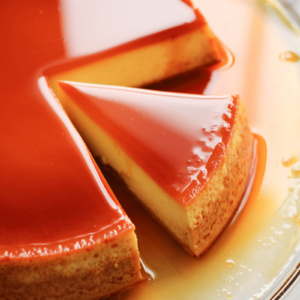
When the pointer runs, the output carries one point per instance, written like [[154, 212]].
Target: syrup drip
[[296, 171], [289, 161], [230, 263], [289, 56]]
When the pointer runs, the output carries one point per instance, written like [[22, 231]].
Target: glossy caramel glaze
[[51, 191], [149, 125]]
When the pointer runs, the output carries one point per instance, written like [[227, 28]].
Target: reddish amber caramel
[[50, 191], [178, 139]]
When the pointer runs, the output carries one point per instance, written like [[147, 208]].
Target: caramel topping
[[51, 190], [178, 139]]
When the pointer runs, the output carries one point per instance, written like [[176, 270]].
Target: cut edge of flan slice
[[197, 216]]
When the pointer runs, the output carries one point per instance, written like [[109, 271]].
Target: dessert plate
[[259, 251]]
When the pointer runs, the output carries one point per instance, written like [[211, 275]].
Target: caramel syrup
[[289, 56]]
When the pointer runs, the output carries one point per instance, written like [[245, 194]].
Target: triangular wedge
[[185, 157]]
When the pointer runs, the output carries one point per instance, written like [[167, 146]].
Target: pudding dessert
[[151, 58], [63, 234], [177, 153]]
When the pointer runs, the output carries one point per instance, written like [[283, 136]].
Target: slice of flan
[[63, 234], [185, 157], [176, 41]]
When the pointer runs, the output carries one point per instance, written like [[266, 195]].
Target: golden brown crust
[[211, 211], [213, 208], [88, 273]]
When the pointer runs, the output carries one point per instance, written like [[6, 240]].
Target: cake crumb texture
[[214, 207], [92, 273]]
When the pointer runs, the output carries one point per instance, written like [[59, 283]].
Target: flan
[[185, 157], [160, 55], [63, 233]]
